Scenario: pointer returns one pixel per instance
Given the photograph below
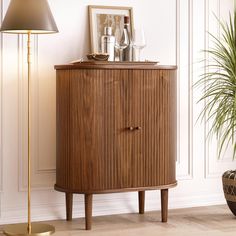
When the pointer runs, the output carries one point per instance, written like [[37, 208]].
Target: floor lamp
[[29, 17]]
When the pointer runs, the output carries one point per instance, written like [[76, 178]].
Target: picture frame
[[102, 16]]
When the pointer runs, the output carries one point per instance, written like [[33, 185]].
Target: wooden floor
[[210, 221]]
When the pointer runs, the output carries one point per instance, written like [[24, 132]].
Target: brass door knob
[[131, 128]]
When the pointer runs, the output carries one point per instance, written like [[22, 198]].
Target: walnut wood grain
[[69, 206], [141, 200], [116, 129], [88, 210], [63, 149], [164, 205]]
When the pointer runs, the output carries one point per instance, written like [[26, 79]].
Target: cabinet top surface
[[115, 65]]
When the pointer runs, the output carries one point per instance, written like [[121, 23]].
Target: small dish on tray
[[98, 56]]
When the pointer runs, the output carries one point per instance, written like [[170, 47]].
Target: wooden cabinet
[[116, 131]]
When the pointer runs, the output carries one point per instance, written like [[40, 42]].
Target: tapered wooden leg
[[141, 201], [88, 211], [69, 206], [164, 205]]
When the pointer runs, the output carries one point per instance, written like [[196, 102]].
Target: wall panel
[[1, 75], [184, 13], [42, 177]]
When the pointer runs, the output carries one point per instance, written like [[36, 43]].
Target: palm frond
[[218, 84]]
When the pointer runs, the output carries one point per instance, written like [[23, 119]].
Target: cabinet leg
[[69, 206], [164, 205], [141, 201], [88, 211]]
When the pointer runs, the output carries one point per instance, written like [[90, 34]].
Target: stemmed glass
[[122, 41], [138, 42]]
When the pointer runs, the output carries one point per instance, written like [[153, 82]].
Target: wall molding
[[189, 174], [206, 59], [39, 176], [1, 98], [36, 97], [190, 93], [37, 169]]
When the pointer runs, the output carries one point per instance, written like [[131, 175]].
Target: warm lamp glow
[[32, 16]]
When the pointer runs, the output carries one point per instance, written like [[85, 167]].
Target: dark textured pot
[[229, 186]]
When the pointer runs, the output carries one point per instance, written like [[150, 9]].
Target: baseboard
[[106, 205]]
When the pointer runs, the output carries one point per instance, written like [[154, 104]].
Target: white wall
[[176, 33]]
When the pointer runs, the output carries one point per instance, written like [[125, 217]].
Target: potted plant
[[219, 94]]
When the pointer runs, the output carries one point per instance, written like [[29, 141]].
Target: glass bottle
[[128, 51], [108, 43]]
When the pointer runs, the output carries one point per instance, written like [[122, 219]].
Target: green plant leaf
[[218, 84]]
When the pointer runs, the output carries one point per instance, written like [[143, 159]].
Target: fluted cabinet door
[[156, 116], [99, 153], [95, 163], [149, 99]]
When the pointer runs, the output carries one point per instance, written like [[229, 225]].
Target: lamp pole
[[29, 133]]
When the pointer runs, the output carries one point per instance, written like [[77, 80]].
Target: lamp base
[[38, 229]]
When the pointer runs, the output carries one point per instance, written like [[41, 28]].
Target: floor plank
[[210, 221]]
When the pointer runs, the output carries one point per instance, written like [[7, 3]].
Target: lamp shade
[[24, 16]]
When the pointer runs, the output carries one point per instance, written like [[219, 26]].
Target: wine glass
[[138, 42], [122, 41]]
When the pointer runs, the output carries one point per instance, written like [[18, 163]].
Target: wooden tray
[[121, 63]]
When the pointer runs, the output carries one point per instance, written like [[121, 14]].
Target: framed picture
[[106, 16]]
